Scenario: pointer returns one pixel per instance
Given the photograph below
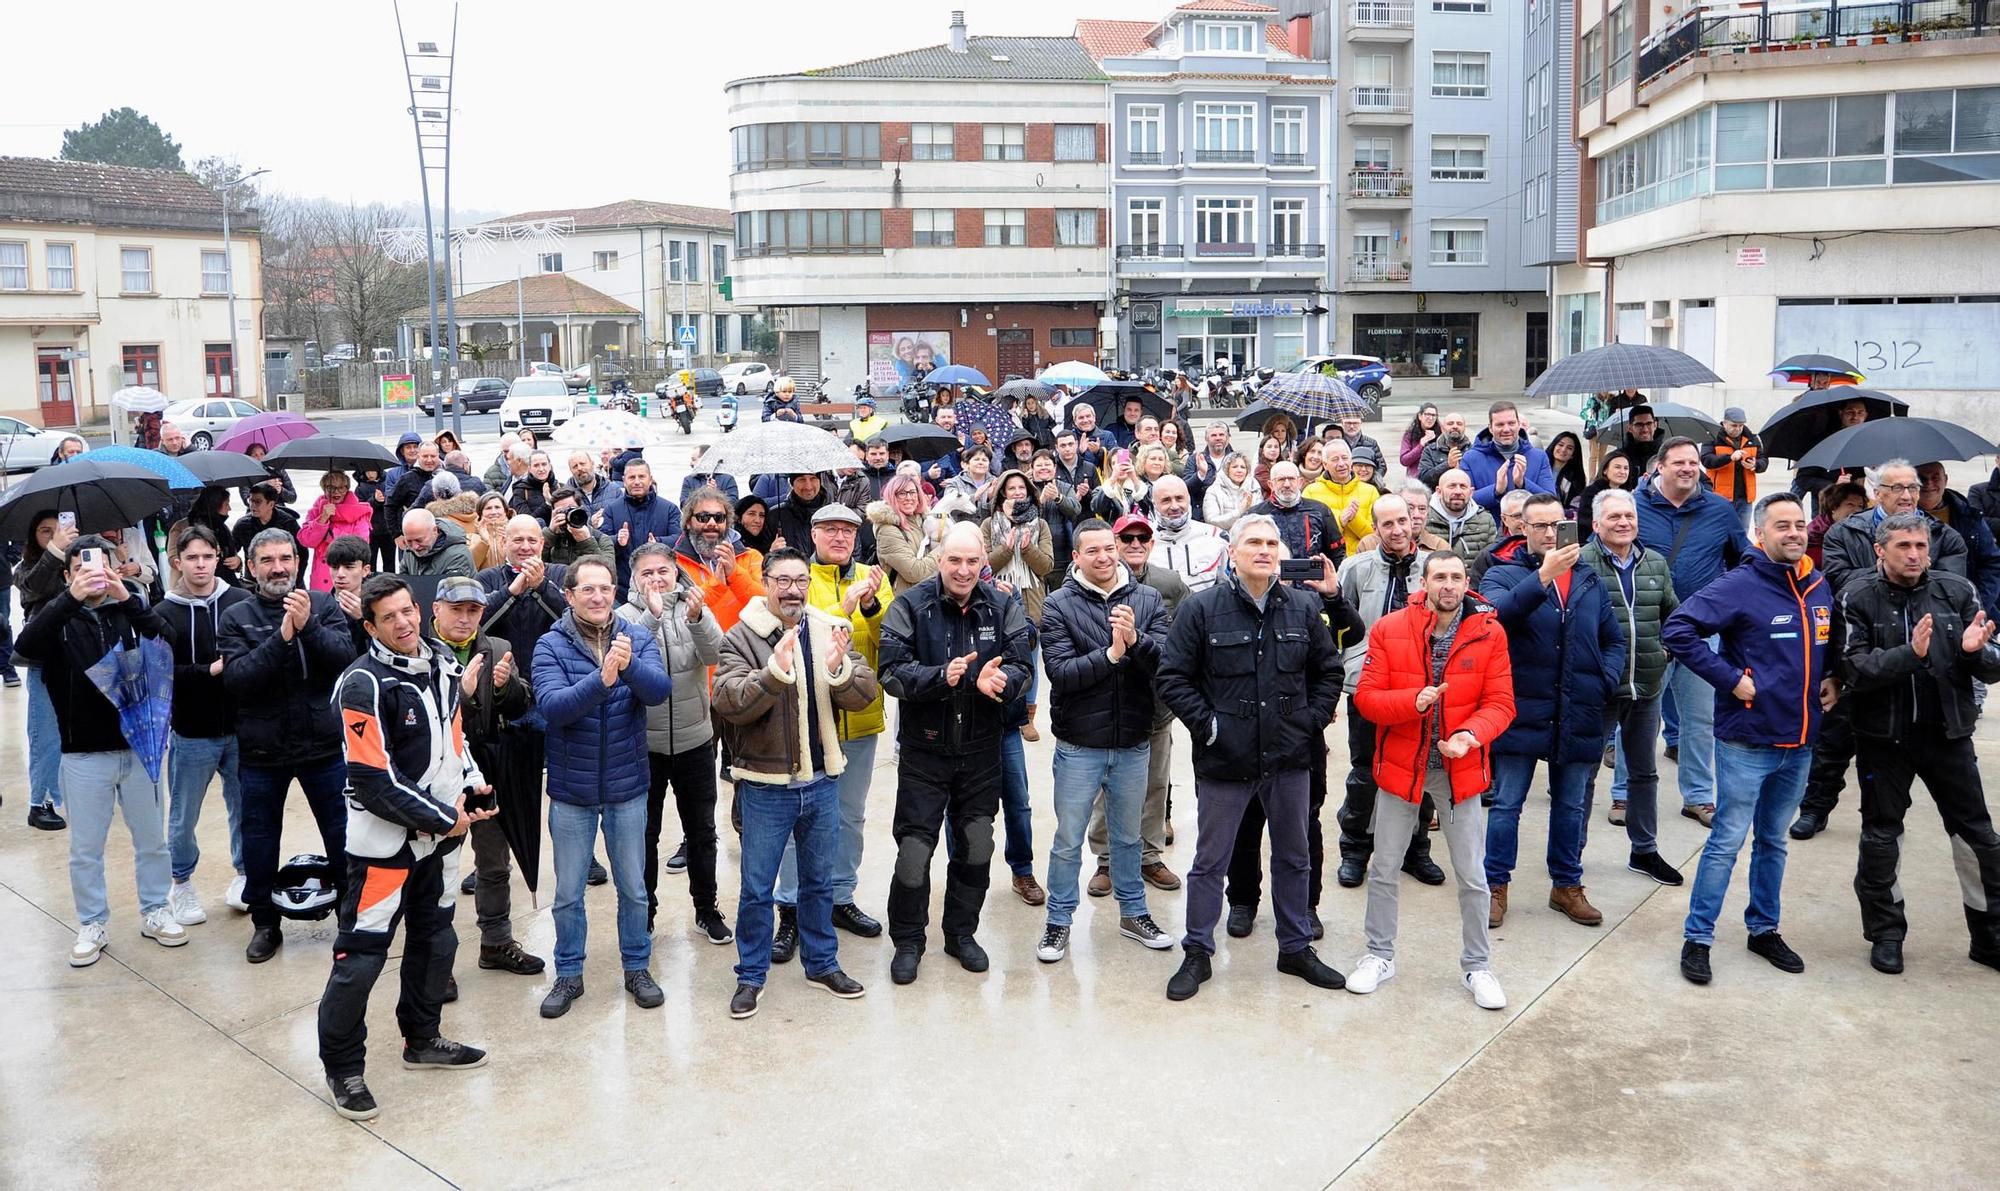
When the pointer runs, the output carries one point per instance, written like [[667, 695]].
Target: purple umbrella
[[266, 430]]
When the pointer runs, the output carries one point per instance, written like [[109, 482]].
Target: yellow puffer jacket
[[1339, 498], [830, 586]]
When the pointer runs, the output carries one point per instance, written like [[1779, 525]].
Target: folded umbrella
[[102, 495], [1619, 366], [167, 467], [328, 452], [1313, 395], [1800, 370], [1674, 418], [958, 374], [1802, 425], [921, 441], [137, 678], [1871, 444], [266, 430], [223, 469], [777, 448]]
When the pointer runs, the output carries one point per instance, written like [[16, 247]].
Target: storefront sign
[[1246, 308], [1145, 316]]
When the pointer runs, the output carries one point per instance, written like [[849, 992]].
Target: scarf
[[1399, 580], [1286, 500], [596, 637], [1175, 524]]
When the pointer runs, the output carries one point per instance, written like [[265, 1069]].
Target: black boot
[[1353, 870], [1418, 863], [785, 941], [1194, 972]]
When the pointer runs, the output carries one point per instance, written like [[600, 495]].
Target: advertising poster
[[399, 391], [895, 358]]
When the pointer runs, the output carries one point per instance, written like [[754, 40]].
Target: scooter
[[725, 417]]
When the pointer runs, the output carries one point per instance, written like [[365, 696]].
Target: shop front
[[1193, 334], [1414, 344]]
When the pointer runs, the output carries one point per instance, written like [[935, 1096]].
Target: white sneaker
[[89, 943], [186, 904], [234, 898], [1485, 990], [159, 926], [1369, 973]]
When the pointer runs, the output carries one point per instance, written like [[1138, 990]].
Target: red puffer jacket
[[1478, 696]]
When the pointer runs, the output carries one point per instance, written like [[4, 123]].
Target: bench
[[828, 414]]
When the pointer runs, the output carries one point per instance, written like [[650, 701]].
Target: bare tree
[[326, 276]]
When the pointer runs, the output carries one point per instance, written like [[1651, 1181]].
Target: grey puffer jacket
[[682, 722]]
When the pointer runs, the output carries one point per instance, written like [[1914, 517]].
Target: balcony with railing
[[1224, 156], [1151, 252], [1378, 185], [1764, 28], [1137, 158], [1380, 20], [1293, 251], [1371, 269], [1372, 101], [1206, 249]]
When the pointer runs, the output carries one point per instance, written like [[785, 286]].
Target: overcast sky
[[567, 104]]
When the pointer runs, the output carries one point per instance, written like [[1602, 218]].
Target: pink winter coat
[[350, 518]]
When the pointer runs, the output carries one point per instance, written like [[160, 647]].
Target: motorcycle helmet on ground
[[304, 888]]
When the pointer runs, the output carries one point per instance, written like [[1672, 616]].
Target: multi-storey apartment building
[[1223, 141], [113, 276], [1817, 177], [941, 204]]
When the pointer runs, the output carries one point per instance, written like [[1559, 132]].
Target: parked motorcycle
[[917, 403], [682, 406]]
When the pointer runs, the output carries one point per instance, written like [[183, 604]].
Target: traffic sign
[[686, 336]]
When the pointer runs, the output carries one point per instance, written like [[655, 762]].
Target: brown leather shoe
[[1570, 900], [1030, 732], [1100, 883], [1159, 876], [1702, 813], [1028, 890], [1496, 910]]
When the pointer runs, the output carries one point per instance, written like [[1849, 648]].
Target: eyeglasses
[[1543, 526], [1130, 538], [1899, 487], [781, 583], [709, 518]]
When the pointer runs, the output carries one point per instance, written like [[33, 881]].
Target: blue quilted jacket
[[596, 734]]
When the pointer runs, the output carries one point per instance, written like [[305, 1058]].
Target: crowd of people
[[423, 648]]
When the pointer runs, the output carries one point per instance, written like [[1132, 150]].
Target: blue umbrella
[[168, 468], [994, 419], [1310, 394], [958, 374], [1074, 373], [137, 677]]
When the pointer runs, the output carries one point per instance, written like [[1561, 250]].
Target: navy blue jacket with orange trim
[[1775, 622]]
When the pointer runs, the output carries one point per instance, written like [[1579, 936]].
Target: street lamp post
[[229, 269]]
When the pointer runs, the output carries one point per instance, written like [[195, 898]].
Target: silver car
[[209, 419]]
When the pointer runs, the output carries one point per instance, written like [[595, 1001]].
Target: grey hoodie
[[682, 722]]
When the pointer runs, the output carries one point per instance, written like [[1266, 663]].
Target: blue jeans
[[98, 783], [1695, 700], [853, 781], [1568, 783], [573, 833], [1758, 790], [806, 816], [191, 762], [1079, 774], [44, 743], [1020, 848]]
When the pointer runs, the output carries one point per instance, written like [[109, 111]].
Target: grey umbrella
[[1618, 366], [1674, 418], [785, 448]]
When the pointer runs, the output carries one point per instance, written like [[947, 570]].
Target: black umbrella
[[328, 452], [1015, 390], [223, 469], [1109, 399], [102, 495], [1674, 418], [1618, 366], [1871, 444], [1258, 413], [1802, 425], [920, 440]]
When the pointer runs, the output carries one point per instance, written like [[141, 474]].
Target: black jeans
[[378, 897], [382, 546], [264, 790], [1950, 770], [1833, 749], [1246, 860], [1356, 815], [691, 773], [958, 794]]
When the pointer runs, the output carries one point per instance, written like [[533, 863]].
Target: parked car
[[747, 376], [208, 419], [540, 403], [25, 447], [603, 374], [343, 353], [706, 382], [544, 368], [1366, 375], [481, 394]]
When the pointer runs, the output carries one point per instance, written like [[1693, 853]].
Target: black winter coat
[[65, 640], [1255, 689], [201, 703], [284, 689], [922, 632], [1094, 702], [1306, 528], [1881, 669], [522, 619]]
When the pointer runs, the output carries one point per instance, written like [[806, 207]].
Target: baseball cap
[[1132, 521], [1734, 414], [458, 589], [836, 512]]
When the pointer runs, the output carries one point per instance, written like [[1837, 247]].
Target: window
[[1458, 74], [1076, 227], [1288, 136], [14, 265], [933, 227], [801, 145], [1373, 152], [214, 273], [1533, 84], [1225, 132], [604, 262], [1460, 6], [693, 258], [1547, 93], [1458, 159], [1231, 37], [60, 260], [1420, 344], [218, 367], [1225, 226], [135, 270], [1620, 22], [807, 233], [931, 142], [1742, 145], [142, 364], [1947, 136], [1288, 226], [1006, 227], [1142, 134], [1372, 87], [1005, 142], [718, 263], [549, 262], [1076, 142], [1144, 221], [1458, 242], [1288, 341], [674, 270], [1668, 165], [721, 340], [1073, 337], [1590, 66]]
